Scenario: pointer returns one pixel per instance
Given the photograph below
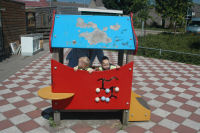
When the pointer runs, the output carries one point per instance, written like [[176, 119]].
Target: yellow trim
[[47, 93], [138, 112]]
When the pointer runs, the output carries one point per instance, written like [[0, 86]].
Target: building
[[10, 31]]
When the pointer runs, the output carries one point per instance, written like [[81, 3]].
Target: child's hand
[[75, 69], [117, 66], [90, 71]]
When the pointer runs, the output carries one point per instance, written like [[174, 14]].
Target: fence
[[170, 55]]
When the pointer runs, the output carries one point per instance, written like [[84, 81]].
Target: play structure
[[109, 90]]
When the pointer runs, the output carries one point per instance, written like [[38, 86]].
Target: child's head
[[105, 63], [83, 62]]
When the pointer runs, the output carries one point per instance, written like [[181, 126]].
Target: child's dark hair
[[104, 58]]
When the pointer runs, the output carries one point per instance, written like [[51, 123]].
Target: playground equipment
[[100, 90]]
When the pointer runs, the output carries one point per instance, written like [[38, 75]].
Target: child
[[83, 64], [105, 64]]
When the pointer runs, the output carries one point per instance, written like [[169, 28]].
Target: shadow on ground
[[48, 113]]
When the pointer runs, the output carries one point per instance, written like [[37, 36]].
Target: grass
[[187, 43]]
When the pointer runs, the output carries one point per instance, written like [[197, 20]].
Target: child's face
[[106, 64], [82, 63]]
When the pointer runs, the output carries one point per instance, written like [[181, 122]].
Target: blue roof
[[94, 32]]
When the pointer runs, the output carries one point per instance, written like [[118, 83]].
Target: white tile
[[167, 95], [155, 103], [187, 84], [161, 112], [22, 92], [150, 95], [162, 89], [191, 124], [5, 91], [15, 99], [168, 124], [34, 99], [28, 86], [147, 89], [197, 95], [175, 103], [12, 129], [33, 81], [197, 111], [19, 119], [193, 103], [178, 89], [6, 107], [2, 117], [27, 108], [41, 121], [186, 96], [194, 89], [182, 113]]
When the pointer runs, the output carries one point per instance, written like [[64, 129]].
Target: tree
[[175, 10]]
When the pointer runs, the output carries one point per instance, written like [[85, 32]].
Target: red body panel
[[83, 84]]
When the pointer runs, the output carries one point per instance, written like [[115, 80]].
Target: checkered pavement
[[171, 89]]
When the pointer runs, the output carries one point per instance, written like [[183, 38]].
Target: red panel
[[136, 42], [83, 84]]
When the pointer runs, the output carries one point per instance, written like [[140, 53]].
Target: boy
[[105, 64], [83, 64]]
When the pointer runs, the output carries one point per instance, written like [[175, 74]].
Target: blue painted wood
[[95, 32]]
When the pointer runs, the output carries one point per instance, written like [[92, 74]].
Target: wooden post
[[56, 117], [125, 114], [120, 57]]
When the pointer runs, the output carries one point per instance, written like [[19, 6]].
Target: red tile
[[28, 95], [42, 104], [173, 92], [175, 118], [33, 89], [196, 99], [180, 99], [152, 86], [12, 113], [134, 129], [168, 108], [9, 95], [156, 118], [168, 86], [7, 82], [156, 92], [162, 99], [34, 114], [81, 128], [140, 92], [39, 84], [22, 83], [188, 108], [195, 117], [27, 126], [3, 102], [17, 89], [183, 86], [5, 124], [184, 129], [160, 129], [190, 92], [21, 103]]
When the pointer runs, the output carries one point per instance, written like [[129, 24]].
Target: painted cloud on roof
[[96, 36]]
